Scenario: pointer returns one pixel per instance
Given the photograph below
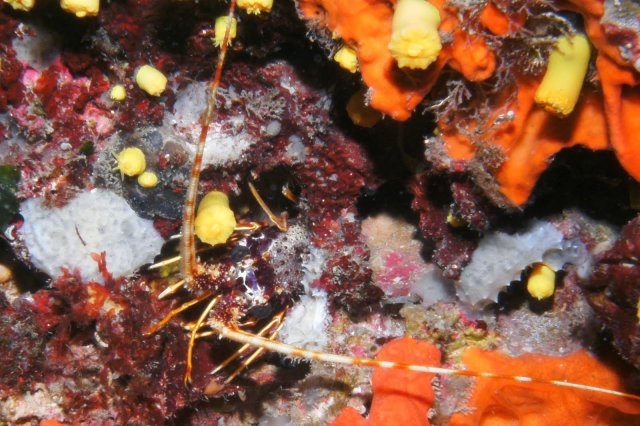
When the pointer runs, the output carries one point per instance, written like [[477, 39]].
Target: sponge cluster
[[95, 221]]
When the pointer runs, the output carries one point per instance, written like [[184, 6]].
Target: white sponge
[[306, 323], [500, 258], [94, 221]]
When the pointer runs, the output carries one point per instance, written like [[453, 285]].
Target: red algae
[[613, 292]]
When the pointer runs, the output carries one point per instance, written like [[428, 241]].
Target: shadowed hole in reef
[[26, 278], [250, 398], [273, 186], [592, 182], [390, 198]]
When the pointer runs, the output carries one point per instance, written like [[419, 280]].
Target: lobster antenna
[[292, 351], [187, 243]]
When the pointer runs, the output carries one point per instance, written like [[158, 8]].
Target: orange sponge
[[400, 397], [505, 402], [367, 25]]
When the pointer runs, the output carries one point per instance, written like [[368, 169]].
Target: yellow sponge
[[151, 80], [25, 5], [81, 8], [148, 180], [542, 282], [346, 57], [131, 161], [360, 112], [560, 88], [215, 221], [255, 7], [221, 29], [415, 42], [118, 93]]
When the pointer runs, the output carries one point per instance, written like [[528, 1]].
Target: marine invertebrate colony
[[525, 136], [214, 222], [496, 401], [562, 83], [415, 42]]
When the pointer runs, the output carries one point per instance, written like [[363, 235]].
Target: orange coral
[[400, 397], [505, 402], [599, 121], [531, 138], [622, 107], [52, 422], [497, 22], [366, 26]]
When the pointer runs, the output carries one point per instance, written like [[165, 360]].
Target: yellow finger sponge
[[542, 282], [81, 8], [215, 221], [415, 42], [151, 80], [562, 82]]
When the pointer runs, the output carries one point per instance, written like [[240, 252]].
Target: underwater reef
[[446, 184]]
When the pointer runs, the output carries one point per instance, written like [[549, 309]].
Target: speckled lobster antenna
[[187, 242], [275, 346]]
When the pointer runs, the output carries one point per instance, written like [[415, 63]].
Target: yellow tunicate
[[415, 42], [221, 29], [360, 113], [255, 7], [5, 273], [454, 220], [568, 64], [81, 8], [118, 93], [151, 80], [542, 282], [131, 161], [148, 180], [215, 221], [25, 5], [346, 57], [213, 198]]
